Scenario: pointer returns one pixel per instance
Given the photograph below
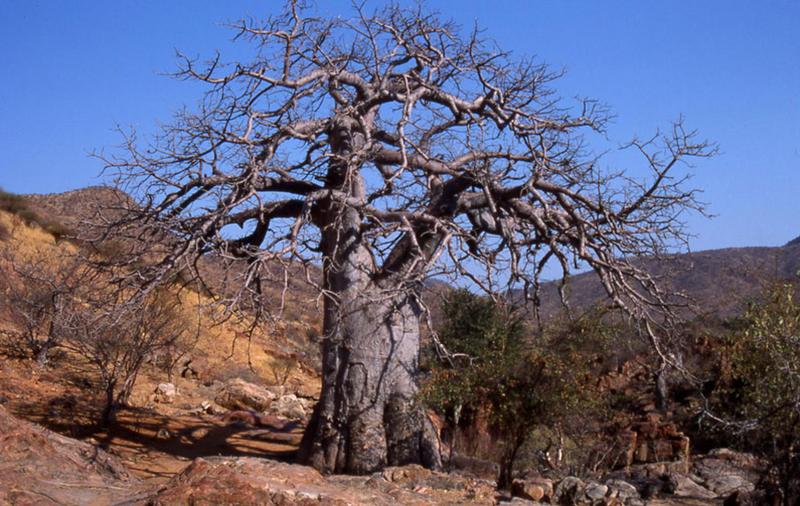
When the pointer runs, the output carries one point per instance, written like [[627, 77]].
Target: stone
[[250, 481], [212, 408], [683, 485], [38, 466], [568, 490], [288, 406], [165, 393], [622, 489], [237, 394], [725, 471], [724, 485], [595, 491], [527, 490], [545, 483]]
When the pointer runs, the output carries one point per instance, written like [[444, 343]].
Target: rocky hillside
[[38, 466], [719, 281]]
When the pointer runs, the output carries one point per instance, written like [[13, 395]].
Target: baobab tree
[[388, 147]]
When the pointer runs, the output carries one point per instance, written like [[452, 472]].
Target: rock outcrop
[[254, 481], [38, 466], [655, 441], [237, 394]]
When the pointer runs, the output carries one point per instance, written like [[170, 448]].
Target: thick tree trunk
[[368, 416]]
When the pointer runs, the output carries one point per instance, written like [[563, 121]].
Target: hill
[[719, 281], [156, 436]]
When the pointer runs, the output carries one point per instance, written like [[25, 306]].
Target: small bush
[[282, 368], [115, 336]]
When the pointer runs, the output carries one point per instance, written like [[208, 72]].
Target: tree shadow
[[140, 435]]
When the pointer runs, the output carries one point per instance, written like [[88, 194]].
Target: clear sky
[[73, 70]]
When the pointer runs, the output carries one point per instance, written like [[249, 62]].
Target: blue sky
[[74, 70]]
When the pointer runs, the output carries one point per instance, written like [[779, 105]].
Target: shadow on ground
[[154, 445]]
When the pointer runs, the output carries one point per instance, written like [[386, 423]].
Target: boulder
[[595, 491], [725, 471], [289, 406], [652, 440], [622, 490], [212, 408], [250, 481], [684, 485], [569, 490], [532, 486], [165, 393], [527, 490], [38, 466], [237, 394]]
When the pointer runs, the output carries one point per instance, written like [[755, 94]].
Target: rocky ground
[[38, 466]]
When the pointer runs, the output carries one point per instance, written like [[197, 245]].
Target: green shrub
[[759, 396], [526, 382]]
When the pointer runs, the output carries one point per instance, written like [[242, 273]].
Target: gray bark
[[368, 415], [662, 388]]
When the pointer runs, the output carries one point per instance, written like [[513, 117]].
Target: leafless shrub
[[116, 337], [35, 294], [282, 367]]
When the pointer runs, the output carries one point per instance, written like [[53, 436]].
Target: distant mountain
[[720, 281]]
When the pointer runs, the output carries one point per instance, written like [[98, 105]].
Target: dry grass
[[220, 344], [20, 207]]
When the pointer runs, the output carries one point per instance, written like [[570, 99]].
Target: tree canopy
[[389, 147]]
